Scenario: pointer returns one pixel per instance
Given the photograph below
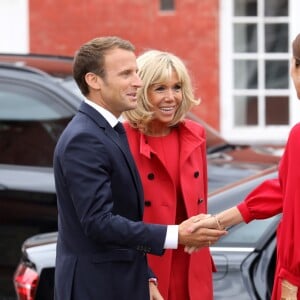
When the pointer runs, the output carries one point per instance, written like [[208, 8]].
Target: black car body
[[38, 98], [245, 258], [35, 108]]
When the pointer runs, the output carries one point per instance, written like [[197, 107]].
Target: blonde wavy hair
[[155, 67]]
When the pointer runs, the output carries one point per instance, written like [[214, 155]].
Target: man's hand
[[154, 292], [204, 234]]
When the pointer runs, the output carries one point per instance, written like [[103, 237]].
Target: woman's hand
[[288, 290]]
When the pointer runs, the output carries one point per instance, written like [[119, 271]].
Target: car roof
[[57, 66]]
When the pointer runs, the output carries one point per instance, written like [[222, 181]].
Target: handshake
[[200, 231]]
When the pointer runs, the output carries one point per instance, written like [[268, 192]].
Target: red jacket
[[281, 195], [160, 195]]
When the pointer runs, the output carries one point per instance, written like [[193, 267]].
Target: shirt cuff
[[171, 241], [246, 215]]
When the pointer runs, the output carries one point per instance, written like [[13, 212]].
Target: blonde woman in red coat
[[170, 153], [280, 195]]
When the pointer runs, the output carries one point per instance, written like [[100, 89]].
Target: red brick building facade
[[191, 31]]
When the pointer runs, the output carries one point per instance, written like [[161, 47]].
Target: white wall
[[14, 26]]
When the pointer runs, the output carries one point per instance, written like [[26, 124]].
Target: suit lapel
[[113, 135]]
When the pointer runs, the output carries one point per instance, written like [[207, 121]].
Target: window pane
[[245, 74], [277, 74], [274, 8], [166, 4], [245, 110], [277, 110], [245, 8], [276, 37], [245, 38]]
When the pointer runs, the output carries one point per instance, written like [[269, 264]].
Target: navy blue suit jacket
[[102, 241]]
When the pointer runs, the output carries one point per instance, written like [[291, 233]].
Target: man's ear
[[93, 80]]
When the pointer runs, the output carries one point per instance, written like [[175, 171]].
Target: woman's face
[[295, 74], [165, 97]]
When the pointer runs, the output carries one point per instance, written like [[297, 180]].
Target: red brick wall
[[191, 32]]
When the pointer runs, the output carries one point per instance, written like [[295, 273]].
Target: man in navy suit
[[102, 241]]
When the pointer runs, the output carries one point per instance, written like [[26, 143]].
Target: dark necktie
[[119, 128]]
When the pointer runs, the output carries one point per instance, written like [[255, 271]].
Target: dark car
[[35, 106], [245, 258], [38, 98]]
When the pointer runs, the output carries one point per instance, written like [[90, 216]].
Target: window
[[167, 5], [256, 99]]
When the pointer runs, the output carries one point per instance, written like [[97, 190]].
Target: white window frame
[[252, 134]]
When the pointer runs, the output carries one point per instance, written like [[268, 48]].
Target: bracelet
[[218, 222]]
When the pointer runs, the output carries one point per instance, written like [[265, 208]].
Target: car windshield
[[234, 172], [249, 235], [242, 235]]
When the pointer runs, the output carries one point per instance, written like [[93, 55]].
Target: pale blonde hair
[[156, 67]]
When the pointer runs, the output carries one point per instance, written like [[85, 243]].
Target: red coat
[[281, 195], [160, 207]]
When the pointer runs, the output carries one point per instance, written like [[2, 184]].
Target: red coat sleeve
[[263, 202]]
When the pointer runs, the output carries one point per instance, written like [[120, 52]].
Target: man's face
[[119, 87]]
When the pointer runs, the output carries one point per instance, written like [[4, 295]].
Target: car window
[[70, 84], [31, 120], [17, 106]]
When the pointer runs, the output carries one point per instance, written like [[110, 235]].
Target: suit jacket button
[[147, 203], [196, 174], [200, 201], [150, 176]]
